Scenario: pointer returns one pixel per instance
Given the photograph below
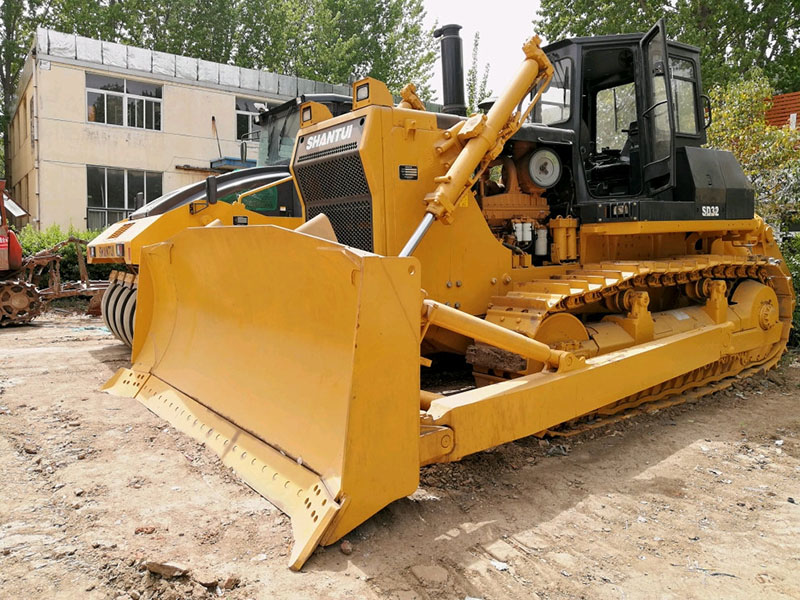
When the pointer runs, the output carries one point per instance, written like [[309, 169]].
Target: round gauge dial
[[544, 168]]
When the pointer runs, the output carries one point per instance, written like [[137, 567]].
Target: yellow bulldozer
[[575, 245]]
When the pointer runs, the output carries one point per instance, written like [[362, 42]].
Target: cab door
[[659, 121]]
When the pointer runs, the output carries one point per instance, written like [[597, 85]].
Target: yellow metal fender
[[294, 358], [123, 241]]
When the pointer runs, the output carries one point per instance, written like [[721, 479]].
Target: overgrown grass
[[33, 241]]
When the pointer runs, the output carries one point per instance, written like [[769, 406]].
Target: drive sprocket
[[20, 302]]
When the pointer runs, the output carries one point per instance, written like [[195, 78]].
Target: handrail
[[261, 189]]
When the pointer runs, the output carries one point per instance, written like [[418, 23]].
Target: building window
[[23, 120], [246, 109], [112, 194], [124, 102], [30, 118], [23, 193], [15, 140]]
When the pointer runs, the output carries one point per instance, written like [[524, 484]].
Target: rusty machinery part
[[20, 302], [118, 305]]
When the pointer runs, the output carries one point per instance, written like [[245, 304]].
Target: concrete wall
[[22, 185]]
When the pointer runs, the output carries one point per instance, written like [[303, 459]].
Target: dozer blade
[[296, 359]]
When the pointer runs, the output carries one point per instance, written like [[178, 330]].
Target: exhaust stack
[[452, 69]]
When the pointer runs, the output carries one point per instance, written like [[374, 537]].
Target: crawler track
[[595, 288]]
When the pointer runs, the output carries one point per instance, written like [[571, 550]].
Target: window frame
[[125, 209], [537, 116], [125, 97], [23, 110], [249, 114], [695, 94]]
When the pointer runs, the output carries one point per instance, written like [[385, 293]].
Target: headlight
[[544, 167]]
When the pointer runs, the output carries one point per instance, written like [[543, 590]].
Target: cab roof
[[629, 38]]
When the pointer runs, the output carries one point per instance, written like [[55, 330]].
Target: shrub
[[33, 241], [770, 156], [790, 247]]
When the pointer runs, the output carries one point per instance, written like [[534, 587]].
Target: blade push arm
[[482, 138]]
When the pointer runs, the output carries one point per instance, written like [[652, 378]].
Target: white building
[[96, 122]]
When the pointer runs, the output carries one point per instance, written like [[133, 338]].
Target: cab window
[[615, 110], [684, 94], [554, 106]]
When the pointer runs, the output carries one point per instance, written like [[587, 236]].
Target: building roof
[[68, 47], [783, 106]]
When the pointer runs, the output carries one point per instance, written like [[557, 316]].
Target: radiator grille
[[340, 177], [337, 186], [352, 221], [331, 151]]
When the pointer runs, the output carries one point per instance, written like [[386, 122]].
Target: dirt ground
[[695, 501]]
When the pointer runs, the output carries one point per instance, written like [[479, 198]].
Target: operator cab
[[636, 150], [278, 126]]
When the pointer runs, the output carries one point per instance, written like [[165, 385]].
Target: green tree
[[101, 19], [339, 40], [733, 35], [15, 30], [770, 156], [269, 33], [202, 29], [477, 90]]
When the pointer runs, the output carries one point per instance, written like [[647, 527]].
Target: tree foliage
[[790, 248], [16, 27], [770, 156], [733, 35], [477, 80]]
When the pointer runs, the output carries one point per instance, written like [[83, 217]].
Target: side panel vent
[[122, 229]]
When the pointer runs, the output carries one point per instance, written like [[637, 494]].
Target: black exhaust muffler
[[452, 69]]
